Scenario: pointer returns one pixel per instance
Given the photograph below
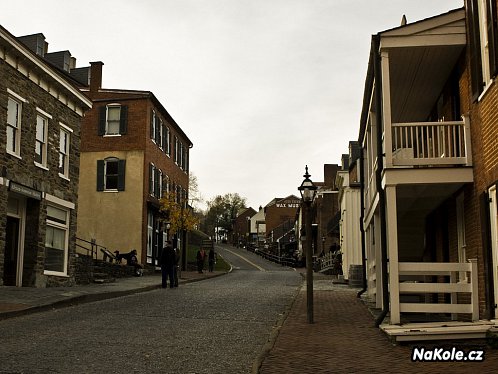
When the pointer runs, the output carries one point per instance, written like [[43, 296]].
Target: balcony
[[430, 144]]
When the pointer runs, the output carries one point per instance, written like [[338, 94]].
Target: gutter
[[362, 227], [378, 179]]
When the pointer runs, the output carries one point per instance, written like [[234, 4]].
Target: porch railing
[[452, 285], [431, 143]]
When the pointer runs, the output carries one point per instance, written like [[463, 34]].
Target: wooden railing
[[431, 143], [453, 286]]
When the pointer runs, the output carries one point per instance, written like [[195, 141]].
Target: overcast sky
[[261, 87]]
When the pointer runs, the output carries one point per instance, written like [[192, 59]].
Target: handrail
[[91, 247]]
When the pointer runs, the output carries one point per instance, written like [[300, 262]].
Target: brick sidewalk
[[343, 339]]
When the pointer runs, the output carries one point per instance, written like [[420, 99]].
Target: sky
[[261, 87]]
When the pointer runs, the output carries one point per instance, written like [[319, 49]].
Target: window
[[14, 126], [64, 142], [153, 125], [111, 174], [113, 120], [483, 39], [41, 139], [155, 181], [177, 150], [56, 240], [167, 148]]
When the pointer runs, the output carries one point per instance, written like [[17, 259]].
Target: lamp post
[[308, 190]]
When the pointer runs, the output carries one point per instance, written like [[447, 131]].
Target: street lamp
[[308, 190]]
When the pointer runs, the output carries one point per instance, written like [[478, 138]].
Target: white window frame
[[154, 124], [168, 141], [107, 161], [150, 235], [64, 154], [107, 121], [64, 227], [41, 137], [14, 127]]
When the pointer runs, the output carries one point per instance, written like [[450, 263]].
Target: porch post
[[392, 247], [386, 110], [475, 289]]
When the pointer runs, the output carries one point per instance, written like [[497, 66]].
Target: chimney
[[96, 75]]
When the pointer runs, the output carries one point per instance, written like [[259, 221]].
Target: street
[[218, 325]]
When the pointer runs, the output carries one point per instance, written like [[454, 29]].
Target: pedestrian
[[201, 254], [167, 262], [133, 261], [211, 259]]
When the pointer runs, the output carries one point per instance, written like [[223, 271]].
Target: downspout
[[378, 179], [362, 227]]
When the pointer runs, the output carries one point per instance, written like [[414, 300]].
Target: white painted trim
[[65, 127], [43, 113], [58, 201], [392, 246], [18, 97]]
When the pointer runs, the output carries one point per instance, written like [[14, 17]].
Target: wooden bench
[[108, 255]]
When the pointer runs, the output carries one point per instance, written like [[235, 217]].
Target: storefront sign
[[26, 191]]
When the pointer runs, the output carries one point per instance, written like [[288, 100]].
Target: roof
[[39, 65]]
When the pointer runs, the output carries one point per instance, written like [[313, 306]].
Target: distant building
[[242, 226]]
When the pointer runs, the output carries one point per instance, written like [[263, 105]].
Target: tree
[[177, 212], [222, 211]]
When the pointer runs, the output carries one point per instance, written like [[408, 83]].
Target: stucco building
[[132, 152]]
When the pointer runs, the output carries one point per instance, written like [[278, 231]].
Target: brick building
[[132, 152], [429, 190], [41, 113], [280, 215], [242, 226]]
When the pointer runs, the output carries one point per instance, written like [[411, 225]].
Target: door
[[493, 215], [10, 274]]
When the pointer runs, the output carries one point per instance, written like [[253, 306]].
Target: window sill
[[14, 154], [41, 166], [111, 135], [55, 273], [486, 90], [64, 177], [111, 191]]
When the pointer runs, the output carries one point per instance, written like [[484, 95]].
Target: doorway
[[11, 264]]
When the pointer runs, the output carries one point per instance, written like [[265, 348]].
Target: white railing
[[454, 287], [431, 143]]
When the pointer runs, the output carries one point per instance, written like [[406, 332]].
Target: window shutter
[[123, 120], [121, 175], [163, 145], [100, 175], [475, 49], [102, 120], [491, 20], [157, 136], [157, 175]]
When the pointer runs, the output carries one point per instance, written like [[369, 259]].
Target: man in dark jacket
[[168, 263]]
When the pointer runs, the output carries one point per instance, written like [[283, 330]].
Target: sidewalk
[[343, 339], [16, 301]]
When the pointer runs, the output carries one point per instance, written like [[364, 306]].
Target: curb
[[256, 366], [89, 298]]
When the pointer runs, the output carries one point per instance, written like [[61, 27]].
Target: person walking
[[211, 259], [168, 262], [201, 254]]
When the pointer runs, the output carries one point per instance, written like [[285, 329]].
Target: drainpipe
[[362, 227], [378, 179]]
